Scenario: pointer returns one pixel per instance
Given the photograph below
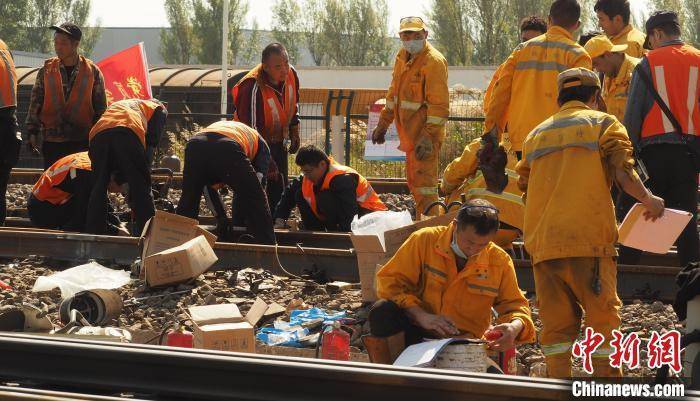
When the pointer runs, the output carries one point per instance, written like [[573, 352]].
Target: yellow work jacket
[[462, 177], [419, 92], [567, 168], [423, 272], [615, 90], [633, 38], [527, 86], [488, 96]]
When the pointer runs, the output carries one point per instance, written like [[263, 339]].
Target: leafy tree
[[450, 27], [208, 30], [287, 27], [176, 43]]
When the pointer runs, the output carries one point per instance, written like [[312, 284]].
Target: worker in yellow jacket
[[462, 177], [569, 162], [527, 86], [444, 282], [418, 102], [614, 18]]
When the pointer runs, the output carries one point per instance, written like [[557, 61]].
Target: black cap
[[659, 18], [69, 29]]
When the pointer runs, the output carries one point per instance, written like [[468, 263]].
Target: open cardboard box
[[222, 328], [179, 264], [371, 255]]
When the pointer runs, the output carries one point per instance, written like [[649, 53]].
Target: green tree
[[451, 31], [692, 23], [287, 27], [12, 28], [495, 34], [208, 30], [79, 12], [176, 43], [311, 26], [250, 52]]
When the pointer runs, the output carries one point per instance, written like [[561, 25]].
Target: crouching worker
[[328, 194], [443, 282], [463, 177], [233, 154], [124, 140], [59, 198]]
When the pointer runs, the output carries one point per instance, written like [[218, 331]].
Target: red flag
[[126, 75]]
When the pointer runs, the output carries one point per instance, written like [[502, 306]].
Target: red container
[[506, 359], [179, 338], [335, 344]]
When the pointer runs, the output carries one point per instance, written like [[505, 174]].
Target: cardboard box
[[222, 328], [180, 263], [166, 230], [371, 255]]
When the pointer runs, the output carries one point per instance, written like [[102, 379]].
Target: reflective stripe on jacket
[[245, 136], [133, 114], [46, 189]]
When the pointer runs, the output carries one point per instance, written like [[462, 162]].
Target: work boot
[[384, 350], [602, 368], [558, 366]]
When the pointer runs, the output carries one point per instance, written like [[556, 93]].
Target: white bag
[[89, 276]]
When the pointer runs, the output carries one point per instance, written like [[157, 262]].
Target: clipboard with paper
[[652, 236]]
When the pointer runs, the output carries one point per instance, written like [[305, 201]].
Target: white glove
[[260, 176]]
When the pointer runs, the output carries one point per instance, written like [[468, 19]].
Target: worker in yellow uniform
[[462, 177], [10, 141], [611, 60], [614, 20], [418, 102], [527, 86], [444, 282], [569, 163]]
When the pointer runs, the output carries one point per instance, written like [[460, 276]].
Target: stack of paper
[[652, 236]]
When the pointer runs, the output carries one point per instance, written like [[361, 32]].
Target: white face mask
[[455, 247], [413, 46]]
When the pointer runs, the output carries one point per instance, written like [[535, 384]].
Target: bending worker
[[444, 282], [232, 154], [60, 197], [123, 142], [328, 195], [418, 103], [463, 178], [10, 141], [569, 163]]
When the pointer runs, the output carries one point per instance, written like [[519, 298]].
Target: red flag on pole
[[126, 75]]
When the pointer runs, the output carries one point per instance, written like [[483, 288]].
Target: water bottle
[[335, 343]]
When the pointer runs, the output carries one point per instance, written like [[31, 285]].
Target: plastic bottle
[[180, 338], [335, 343]]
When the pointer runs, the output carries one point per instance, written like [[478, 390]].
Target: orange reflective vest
[[77, 109], [365, 195], [278, 116], [8, 78], [247, 137], [129, 113], [46, 189], [674, 71]]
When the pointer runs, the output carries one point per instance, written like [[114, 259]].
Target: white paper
[[657, 236], [388, 151], [421, 354]]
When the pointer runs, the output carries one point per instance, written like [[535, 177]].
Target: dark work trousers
[[10, 147], [672, 176], [212, 158], [276, 185], [44, 214], [5, 170], [52, 151], [118, 150], [386, 318]]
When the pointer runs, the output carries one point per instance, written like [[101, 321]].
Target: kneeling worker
[[462, 176], [233, 154], [444, 282], [328, 194], [59, 198], [123, 140]]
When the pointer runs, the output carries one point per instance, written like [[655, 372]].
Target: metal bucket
[[99, 307]]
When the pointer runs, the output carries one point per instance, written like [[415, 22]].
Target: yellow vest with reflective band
[[8, 78], [418, 100], [527, 86], [46, 189], [365, 195], [129, 113], [616, 90], [77, 110], [568, 164], [423, 272], [239, 132]]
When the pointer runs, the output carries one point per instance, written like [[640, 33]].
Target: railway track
[[656, 282]]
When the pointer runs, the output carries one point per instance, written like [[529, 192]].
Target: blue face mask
[[455, 247]]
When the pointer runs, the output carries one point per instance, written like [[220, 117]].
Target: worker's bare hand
[[509, 332], [438, 324], [654, 207], [378, 135]]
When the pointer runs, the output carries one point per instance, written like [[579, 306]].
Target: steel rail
[[18, 393], [171, 373]]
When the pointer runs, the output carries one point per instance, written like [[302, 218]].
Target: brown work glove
[[424, 148], [378, 134], [492, 163], [294, 140]]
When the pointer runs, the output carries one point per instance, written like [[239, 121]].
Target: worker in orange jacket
[[418, 103], [444, 282], [10, 140], [123, 142], [328, 194], [60, 197]]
